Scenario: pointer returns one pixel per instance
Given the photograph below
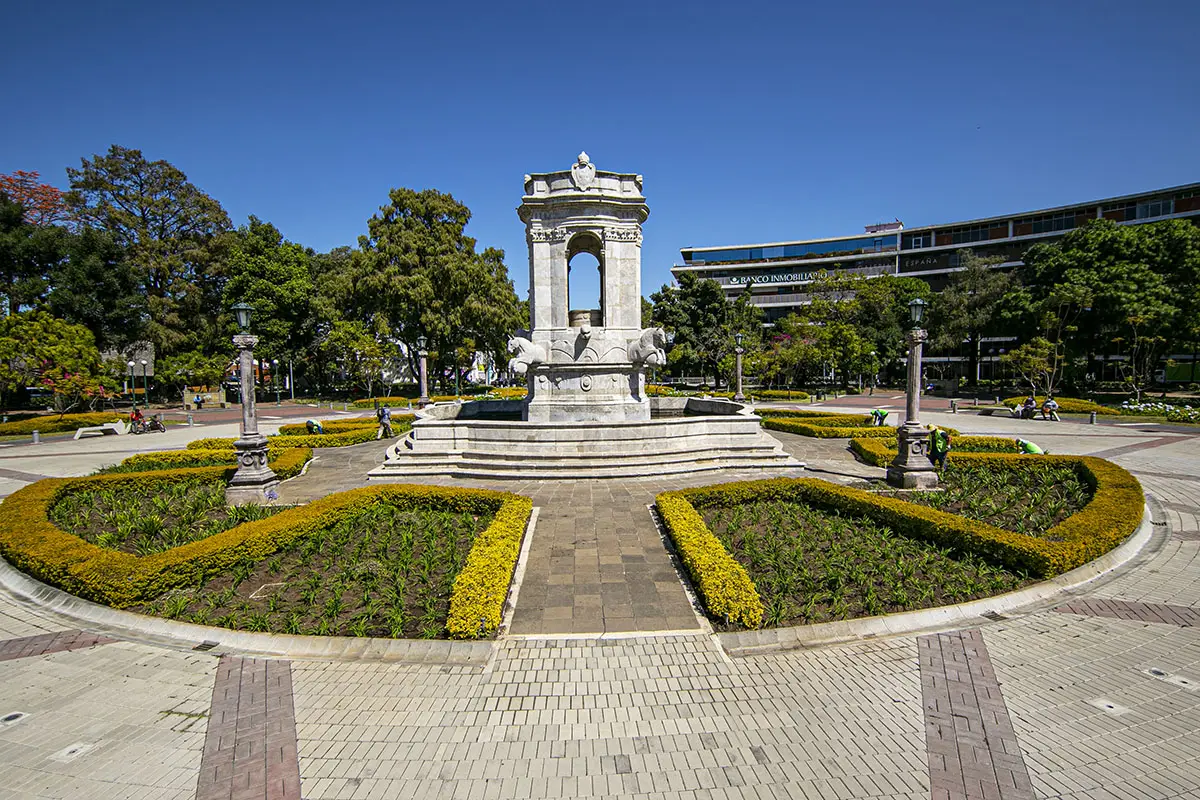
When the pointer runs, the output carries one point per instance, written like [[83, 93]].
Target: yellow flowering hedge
[[1069, 405], [51, 423], [33, 544], [477, 602], [779, 394], [332, 426], [176, 459], [1112, 515], [842, 426], [880, 452], [316, 440], [722, 583]]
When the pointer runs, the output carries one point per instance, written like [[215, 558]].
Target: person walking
[[1027, 447], [939, 446], [385, 422]]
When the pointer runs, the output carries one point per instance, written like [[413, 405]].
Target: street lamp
[[275, 380], [911, 468], [738, 397], [132, 388], [145, 387], [422, 354], [254, 479]]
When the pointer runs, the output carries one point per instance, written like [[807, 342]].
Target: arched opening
[[585, 277]]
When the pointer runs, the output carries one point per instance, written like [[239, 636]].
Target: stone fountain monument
[[586, 414]]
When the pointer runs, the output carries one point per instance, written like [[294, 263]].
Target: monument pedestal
[[911, 468], [583, 392], [253, 479]]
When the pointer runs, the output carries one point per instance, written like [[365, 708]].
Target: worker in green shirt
[[1029, 448], [939, 446], [878, 416]]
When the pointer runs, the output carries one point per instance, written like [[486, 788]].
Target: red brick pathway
[[250, 749], [972, 747], [43, 643], [1180, 616]]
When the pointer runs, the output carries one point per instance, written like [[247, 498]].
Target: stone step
[[401, 469]]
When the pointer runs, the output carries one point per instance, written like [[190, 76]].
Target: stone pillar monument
[[585, 365]]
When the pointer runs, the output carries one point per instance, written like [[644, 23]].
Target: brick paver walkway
[[1092, 705]]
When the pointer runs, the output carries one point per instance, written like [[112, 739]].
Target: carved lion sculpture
[[528, 355], [647, 349]]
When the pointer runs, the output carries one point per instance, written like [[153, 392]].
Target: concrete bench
[[107, 429]]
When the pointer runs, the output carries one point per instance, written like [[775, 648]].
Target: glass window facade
[[865, 244]]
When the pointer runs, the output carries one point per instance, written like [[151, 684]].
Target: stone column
[[911, 469], [253, 479]]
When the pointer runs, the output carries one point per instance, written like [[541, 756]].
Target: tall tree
[[273, 276], [28, 253], [42, 202], [36, 347], [171, 230], [95, 286], [703, 323], [420, 273], [968, 309]]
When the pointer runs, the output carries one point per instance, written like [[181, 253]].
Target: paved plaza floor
[[609, 685]]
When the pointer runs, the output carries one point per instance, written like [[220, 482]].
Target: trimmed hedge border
[[1113, 514], [357, 435], [1069, 405], [50, 423], [722, 583], [33, 544], [331, 426], [182, 459], [880, 452], [825, 432]]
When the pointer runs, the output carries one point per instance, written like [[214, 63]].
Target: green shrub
[[780, 394], [288, 459], [357, 434], [823, 431], [332, 426], [52, 423]]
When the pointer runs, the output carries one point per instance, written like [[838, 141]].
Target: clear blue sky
[[750, 121]]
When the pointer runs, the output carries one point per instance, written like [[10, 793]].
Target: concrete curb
[[745, 643], [130, 626]]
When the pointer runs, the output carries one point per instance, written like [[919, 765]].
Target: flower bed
[[1114, 512], [52, 423], [34, 544]]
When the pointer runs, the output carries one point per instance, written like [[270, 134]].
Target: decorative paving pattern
[[250, 748], [972, 747], [1113, 452], [41, 644], [1181, 616]]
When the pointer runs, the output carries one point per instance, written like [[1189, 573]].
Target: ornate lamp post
[[738, 397], [145, 387], [275, 380], [911, 469], [253, 479], [132, 388], [422, 353]]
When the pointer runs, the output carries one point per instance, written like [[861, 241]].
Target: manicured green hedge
[[880, 452], [51, 423], [33, 544], [1113, 514], [1069, 405]]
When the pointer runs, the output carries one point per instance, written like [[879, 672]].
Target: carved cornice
[[623, 235], [547, 234]]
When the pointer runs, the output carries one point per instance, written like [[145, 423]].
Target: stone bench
[[107, 429]]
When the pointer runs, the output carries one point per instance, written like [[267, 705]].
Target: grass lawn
[[384, 572], [810, 565], [142, 521]]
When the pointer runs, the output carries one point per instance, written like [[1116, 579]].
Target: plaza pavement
[[1092, 696]]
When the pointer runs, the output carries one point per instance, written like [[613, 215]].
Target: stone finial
[[583, 174]]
